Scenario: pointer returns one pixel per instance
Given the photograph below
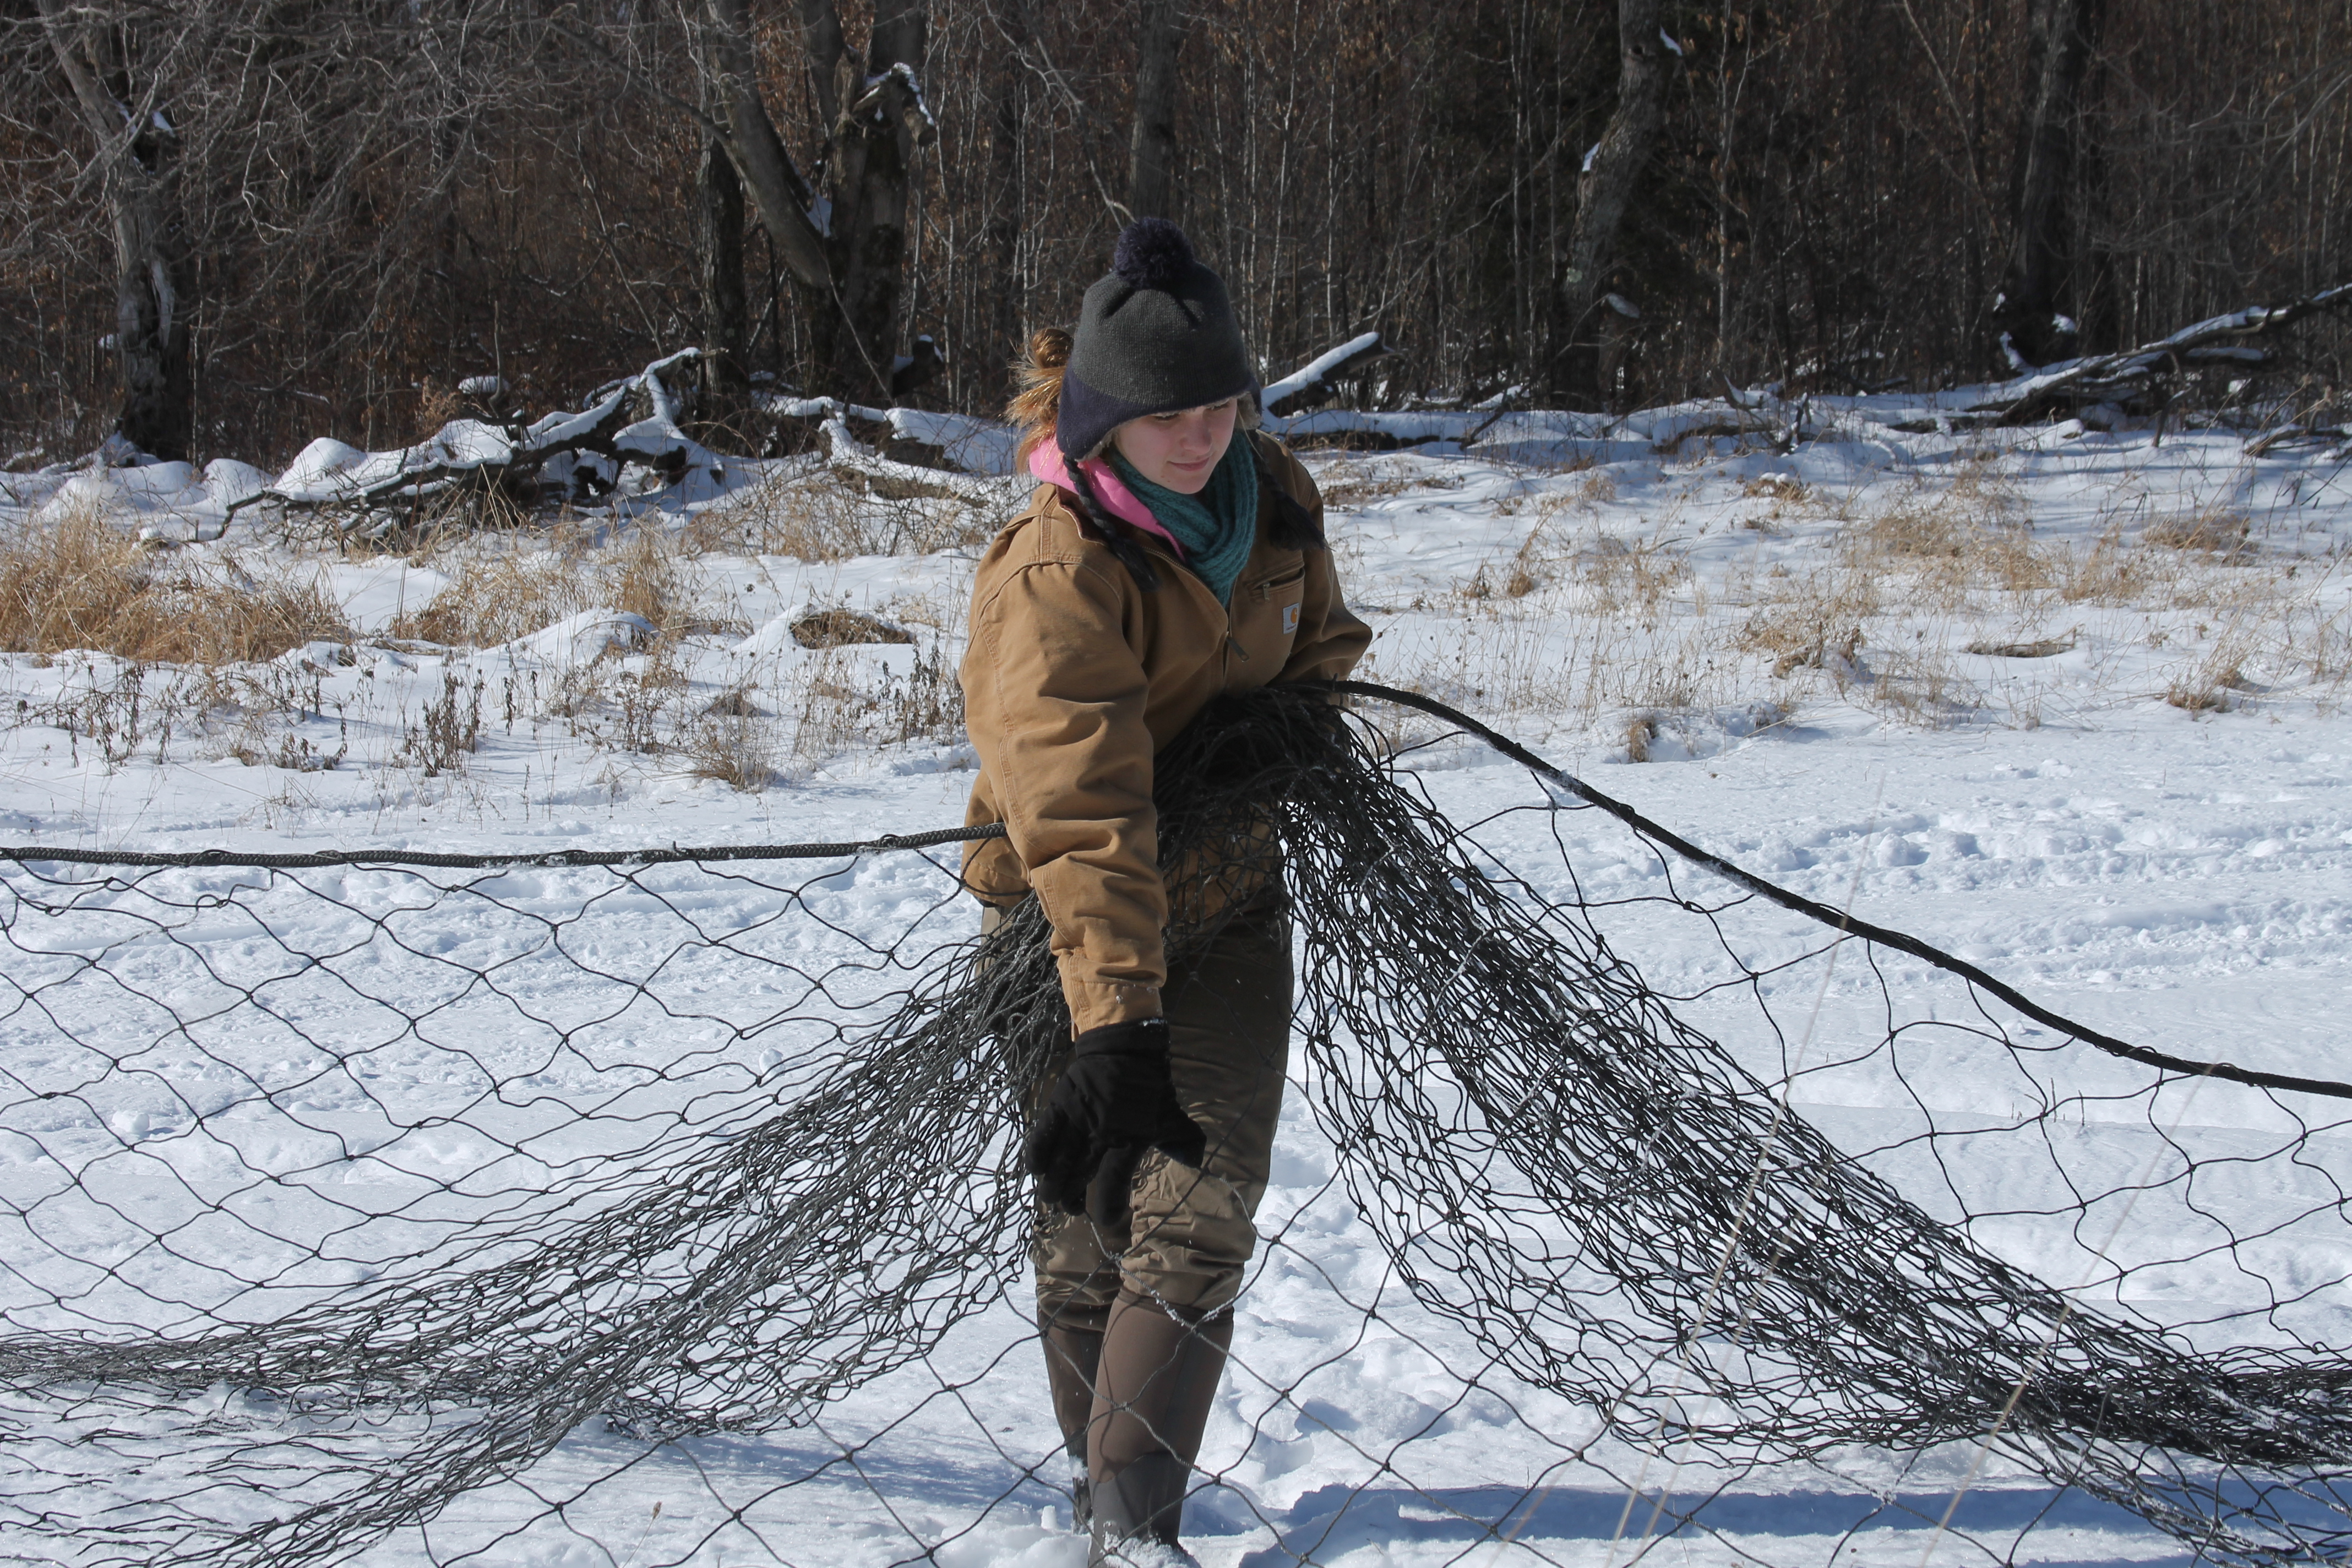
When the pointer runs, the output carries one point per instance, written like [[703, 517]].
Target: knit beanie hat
[[1156, 335]]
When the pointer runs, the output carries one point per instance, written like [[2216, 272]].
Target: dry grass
[[496, 598], [842, 705], [642, 577], [1348, 483], [2217, 681], [767, 724], [247, 711], [822, 515], [1526, 569], [2109, 573], [1776, 487], [1908, 588], [1593, 490], [80, 583], [2215, 532], [1920, 686], [1813, 622], [737, 749], [496, 594], [1621, 578], [437, 403], [840, 627], [1944, 552], [2048, 647], [2195, 696], [447, 730]]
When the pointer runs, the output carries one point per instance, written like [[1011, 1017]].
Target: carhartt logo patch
[[1289, 619]]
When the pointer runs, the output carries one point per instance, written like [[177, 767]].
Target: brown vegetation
[[82, 584], [1630, 637], [824, 516]]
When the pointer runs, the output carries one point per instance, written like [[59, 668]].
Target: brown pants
[[1191, 1233]]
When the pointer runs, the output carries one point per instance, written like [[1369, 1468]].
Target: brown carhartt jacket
[[1075, 678]]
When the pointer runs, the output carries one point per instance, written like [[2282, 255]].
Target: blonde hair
[[1037, 407]]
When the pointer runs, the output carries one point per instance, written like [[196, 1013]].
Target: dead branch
[[473, 454], [1310, 384], [2237, 340]]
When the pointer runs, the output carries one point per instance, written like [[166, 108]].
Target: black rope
[[27, 853], [1885, 936]]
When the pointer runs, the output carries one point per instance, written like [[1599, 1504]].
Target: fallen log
[[2296, 434], [885, 477], [2236, 340], [472, 453]]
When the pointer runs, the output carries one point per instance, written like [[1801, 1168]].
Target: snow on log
[[969, 443], [969, 448], [1309, 379], [2222, 340], [895, 481], [965, 444], [328, 473]]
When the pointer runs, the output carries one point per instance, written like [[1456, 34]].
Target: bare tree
[[1001, 194], [744, 129], [1151, 150], [359, 202], [845, 241], [130, 129], [874, 142], [726, 312], [1612, 170], [2032, 310]]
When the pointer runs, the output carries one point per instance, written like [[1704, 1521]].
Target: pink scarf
[[1046, 465]]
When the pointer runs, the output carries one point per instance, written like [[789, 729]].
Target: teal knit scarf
[[1218, 527]]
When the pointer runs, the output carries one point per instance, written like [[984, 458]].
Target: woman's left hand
[[1116, 1098]]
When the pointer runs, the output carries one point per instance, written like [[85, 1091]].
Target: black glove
[[1115, 1100]]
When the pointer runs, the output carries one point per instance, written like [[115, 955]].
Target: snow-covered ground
[[2140, 814]]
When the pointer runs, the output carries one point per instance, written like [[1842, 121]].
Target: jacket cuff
[[1095, 1003]]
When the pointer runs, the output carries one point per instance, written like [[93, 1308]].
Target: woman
[[1169, 554]]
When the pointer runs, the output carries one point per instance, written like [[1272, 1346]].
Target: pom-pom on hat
[[1156, 334], [1152, 253]]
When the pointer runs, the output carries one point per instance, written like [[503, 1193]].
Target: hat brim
[[1084, 423]]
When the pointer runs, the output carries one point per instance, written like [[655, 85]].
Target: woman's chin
[[1185, 484]]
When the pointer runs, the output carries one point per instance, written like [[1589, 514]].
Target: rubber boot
[[1072, 1353], [1153, 1390]]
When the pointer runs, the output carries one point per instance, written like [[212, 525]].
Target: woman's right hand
[[1116, 1098]]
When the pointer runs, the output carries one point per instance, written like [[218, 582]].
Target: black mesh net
[[669, 1210]]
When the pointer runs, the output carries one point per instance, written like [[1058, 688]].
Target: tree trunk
[[845, 246], [726, 314], [154, 293], [1612, 172], [829, 62], [154, 285], [1151, 150], [874, 142], [777, 191], [2031, 310], [1007, 123]]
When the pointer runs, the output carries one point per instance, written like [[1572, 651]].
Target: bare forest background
[[228, 226]]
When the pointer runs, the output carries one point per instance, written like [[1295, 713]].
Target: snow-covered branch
[[1311, 378], [895, 481], [328, 473], [2233, 341]]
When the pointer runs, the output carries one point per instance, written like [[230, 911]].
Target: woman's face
[[1178, 451]]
